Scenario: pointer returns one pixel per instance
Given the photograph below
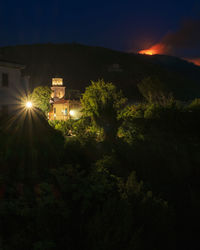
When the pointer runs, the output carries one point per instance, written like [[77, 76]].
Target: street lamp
[[29, 105], [72, 113]]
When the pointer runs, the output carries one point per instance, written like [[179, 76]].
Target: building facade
[[62, 109], [13, 86]]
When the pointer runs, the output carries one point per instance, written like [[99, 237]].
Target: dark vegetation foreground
[[137, 189]]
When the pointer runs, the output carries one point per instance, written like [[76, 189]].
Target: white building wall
[[11, 95]]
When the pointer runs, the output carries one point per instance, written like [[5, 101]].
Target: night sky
[[122, 25]]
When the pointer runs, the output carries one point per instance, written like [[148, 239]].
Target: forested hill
[[79, 64]]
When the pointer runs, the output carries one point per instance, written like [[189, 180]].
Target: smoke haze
[[187, 37]]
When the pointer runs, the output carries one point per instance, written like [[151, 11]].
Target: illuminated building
[[62, 109]]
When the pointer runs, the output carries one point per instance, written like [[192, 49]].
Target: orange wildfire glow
[[154, 50], [163, 49], [147, 52], [196, 61]]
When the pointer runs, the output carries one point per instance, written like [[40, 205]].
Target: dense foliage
[[40, 98], [66, 187], [102, 102], [154, 91]]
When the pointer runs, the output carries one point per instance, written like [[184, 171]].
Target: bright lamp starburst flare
[[29, 105]]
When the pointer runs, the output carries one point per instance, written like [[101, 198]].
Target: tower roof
[[62, 101]]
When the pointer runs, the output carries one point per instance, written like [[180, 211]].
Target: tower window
[[5, 80]]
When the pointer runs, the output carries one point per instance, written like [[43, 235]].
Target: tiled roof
[[11, 64], [62, 101]]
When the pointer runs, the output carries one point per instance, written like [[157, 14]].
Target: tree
[[194, 105], [154, 91], [41, 96], [102, 102]]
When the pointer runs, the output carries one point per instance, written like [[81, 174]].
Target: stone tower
[[58, 90]]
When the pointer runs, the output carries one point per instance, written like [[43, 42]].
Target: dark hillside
[[78, 64]]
